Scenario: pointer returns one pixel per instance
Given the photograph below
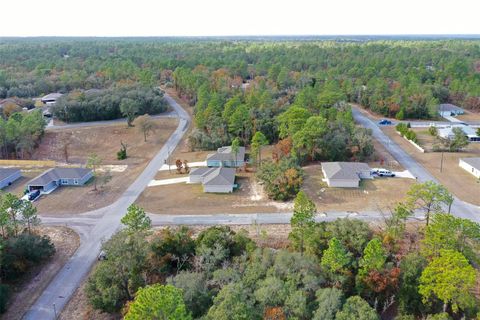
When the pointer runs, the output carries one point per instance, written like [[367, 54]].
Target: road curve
[[59, 291], [459, 208]]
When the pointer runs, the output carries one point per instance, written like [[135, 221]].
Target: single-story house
[[217, 180], [51, 98], [471, 165], [470, 133], [9, 176], [448, 109], [52, 178], [345, 174], [224, 157]]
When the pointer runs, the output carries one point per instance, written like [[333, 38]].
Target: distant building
[[448, 109], [471, 165], [51, 98], [8, 176], [224, 157], [55, 177], [214, 180], [470, 133], [345, 174]]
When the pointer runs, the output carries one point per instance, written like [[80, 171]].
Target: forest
[[345, 269]]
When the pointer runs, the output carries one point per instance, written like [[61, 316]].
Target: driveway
[[164, 182]]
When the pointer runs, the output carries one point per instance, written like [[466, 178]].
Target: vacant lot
[[380, 193], [105, 142], [457, 180], [469, 116], [66, 242]]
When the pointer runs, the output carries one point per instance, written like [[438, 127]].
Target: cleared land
[[458, 181], [469, 116], [105, 142], [377, 194], [66, 242]]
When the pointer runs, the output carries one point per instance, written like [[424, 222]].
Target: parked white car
[[381, 172]]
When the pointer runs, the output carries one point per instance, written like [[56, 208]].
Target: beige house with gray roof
[[471, 165], [345, 174]]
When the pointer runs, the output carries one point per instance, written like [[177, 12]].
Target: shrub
[[4, 296], [433, 131]]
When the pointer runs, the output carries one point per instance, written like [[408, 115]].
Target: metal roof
[[52, 96], [56, 174], [344, 170], [7, 172]]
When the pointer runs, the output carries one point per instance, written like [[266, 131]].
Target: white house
[[471, 165], [448, 109], [470, 133], [345, 174], [8, 176]]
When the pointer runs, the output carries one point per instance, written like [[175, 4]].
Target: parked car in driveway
[[33, 195], [384, 122], [381, 172]]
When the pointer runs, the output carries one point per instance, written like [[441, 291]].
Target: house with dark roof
[[55, 177], [225, 157], [9, 176], [345, 174], [471, 165], [448, 109], [214, 180]]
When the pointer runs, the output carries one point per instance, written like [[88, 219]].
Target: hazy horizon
[[215, 18]]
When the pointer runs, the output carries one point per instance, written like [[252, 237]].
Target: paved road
[[459, 207], [51, 126], [71, 275]]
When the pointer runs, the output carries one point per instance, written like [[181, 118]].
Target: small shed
[[448, 109], [9, 176]]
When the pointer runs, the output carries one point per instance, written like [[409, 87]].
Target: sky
[[239, 17]]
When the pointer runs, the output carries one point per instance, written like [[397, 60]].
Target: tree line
[[112, 103], [21, 248], [343, 269], [21, 133]]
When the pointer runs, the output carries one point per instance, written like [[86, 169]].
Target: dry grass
[[469, 116], [457, 180], [190, 199], [380, 193], [66, 242], [105, 142]]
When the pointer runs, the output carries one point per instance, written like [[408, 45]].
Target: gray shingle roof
[[201, 171], [7, 172], [226, 154], [52, 96], [474, 162], [445, 107], [220, 177], [56, 174], [344, 170]]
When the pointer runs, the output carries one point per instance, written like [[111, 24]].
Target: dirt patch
[[458, 181], [66, 242], [105, 142], [377, 194]]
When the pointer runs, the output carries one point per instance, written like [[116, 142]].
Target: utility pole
[[55, 311], [441, 163], [168, 158]]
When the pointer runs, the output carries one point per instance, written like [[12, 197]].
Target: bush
[[23, 252], [282, 180], [433, 131]]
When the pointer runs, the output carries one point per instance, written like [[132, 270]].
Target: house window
[[75, 181], [64, 181]]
